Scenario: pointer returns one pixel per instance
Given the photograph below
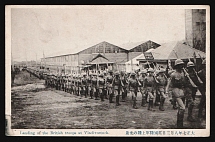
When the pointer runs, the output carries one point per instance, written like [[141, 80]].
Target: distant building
[[115, 55], [195, 28]]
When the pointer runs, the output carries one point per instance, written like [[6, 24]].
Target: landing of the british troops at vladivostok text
[[107, 70]]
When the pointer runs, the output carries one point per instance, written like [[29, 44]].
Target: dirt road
[[37, 107]]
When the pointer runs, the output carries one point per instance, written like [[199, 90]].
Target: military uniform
[[101, 86], [109, 81], [117, 84], [94, 86], [150, 88], [89, 85], [78, 85], [141, 87], [177, 81], [124, 88], [133, 88], [202, 89], [162, 82], [84, 85]]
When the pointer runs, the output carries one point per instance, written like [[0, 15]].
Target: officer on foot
[[177, 81]]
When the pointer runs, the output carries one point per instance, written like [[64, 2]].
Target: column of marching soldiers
[[180, 84]]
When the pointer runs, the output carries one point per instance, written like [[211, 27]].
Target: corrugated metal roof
[[165, 51], [130, 45]]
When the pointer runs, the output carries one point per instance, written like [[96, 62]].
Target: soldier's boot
[[143, 102], [190, 117], [85, 94], [110, 98], [174, 106], [161, 107], [134, 103], [123, 97], [91, 95], [105, 94], [117, 101], [157, 100], [96, 96], [150, 106], [102, 97], [180, 119]]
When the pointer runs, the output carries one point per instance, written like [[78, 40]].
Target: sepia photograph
[[107, 70]]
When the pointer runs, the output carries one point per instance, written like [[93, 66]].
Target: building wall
[[195, 23]]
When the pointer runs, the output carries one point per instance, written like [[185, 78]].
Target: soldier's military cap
[[101, 75], [133, 73], [190, 64], [150, 70], [178, 62], [110, 71], [162, 70], [83, 73], [116, 73], [143, 71]]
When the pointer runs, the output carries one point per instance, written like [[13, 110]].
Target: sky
[[68, 30]]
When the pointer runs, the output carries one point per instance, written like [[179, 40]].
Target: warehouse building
[[115, 57]]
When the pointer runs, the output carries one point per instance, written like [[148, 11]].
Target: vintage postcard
[[107, 70]]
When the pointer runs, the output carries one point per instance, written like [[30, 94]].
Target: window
[[203, 26], [198, 26]]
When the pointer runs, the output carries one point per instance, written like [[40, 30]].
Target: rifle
[[200, 81]]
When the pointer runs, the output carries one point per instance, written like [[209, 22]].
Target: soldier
[[157, 97], [190, 91], [125, 83], [95, 86], [117, 84], [143, 74], [133, 88], [101, 85], [55, 81], [78, 85], [84, 84], [58, 81], [162, 82], [73, 84], [202, 89], [150, 88], [105, 85], [109, 81], [177, 81], [89, 85], [172, 99]]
